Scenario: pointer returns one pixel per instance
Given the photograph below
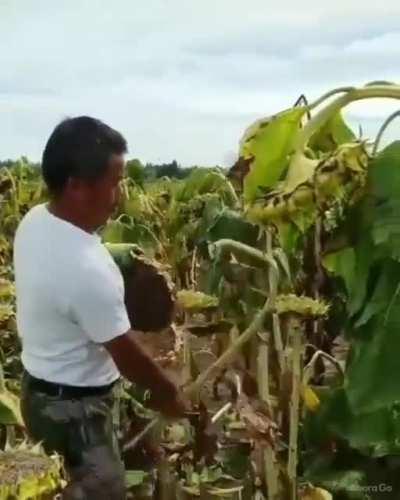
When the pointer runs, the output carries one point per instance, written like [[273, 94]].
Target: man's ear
[[75, 188]]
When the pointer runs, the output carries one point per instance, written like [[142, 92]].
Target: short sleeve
[[98, 306]]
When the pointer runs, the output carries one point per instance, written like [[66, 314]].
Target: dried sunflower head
[[149, 291], [193, 301], [300, 306], [28, 473]]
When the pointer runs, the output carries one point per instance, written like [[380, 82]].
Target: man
[[76, 336]]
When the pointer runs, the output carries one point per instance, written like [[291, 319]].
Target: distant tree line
[[135, 169], [14, 163], [140, 173], [150, 171]]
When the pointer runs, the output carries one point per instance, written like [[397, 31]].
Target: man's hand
[[171, 404], [137, 366]]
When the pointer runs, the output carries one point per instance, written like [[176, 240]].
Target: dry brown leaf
[[256, 416]]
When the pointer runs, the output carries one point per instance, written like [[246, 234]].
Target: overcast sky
[[182, 79]]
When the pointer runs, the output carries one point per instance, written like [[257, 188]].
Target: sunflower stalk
[[320, 118], [294, 404], [308, 371], [271, 471], [382, 130], [271, 466], [245, 253], [232, 351], [15, 196]]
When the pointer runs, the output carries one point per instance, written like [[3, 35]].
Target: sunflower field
[[271, 294]]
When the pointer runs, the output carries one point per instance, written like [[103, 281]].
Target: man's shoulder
[[32, 214], [27, 230], [95, 263], [94, 278]]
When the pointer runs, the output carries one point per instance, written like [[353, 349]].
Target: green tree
[[136, 171]]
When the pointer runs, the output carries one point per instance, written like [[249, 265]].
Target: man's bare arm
[[138, 367]]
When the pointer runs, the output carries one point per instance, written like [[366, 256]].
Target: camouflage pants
[[83, 432]]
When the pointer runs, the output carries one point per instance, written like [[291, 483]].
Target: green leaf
[[343, 264], [384, 172], [373, 434], [359, 225], [384, 186], [374, 291], [235, 459], [121, 253], [365, 257], [210, 474], [386, 289], [331, 135], [10, 412], [202, 181], [119, 231], [114, 232], [301, 170], [289, 237], [135, 478], [374, 371], [231, 225], [386, 228], [347, 483], [268, 144]]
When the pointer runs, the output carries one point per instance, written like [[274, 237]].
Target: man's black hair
[[79, 147]]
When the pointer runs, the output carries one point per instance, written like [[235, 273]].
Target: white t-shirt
[[70, 299]]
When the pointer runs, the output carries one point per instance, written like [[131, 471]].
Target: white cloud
[[183, 79]]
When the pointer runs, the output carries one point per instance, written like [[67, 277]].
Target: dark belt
[[65, 391]]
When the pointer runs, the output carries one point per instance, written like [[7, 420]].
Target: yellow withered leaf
[[9, 402], [314, 493], [311, 400]]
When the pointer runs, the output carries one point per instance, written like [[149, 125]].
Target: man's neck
[[63, 211]]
